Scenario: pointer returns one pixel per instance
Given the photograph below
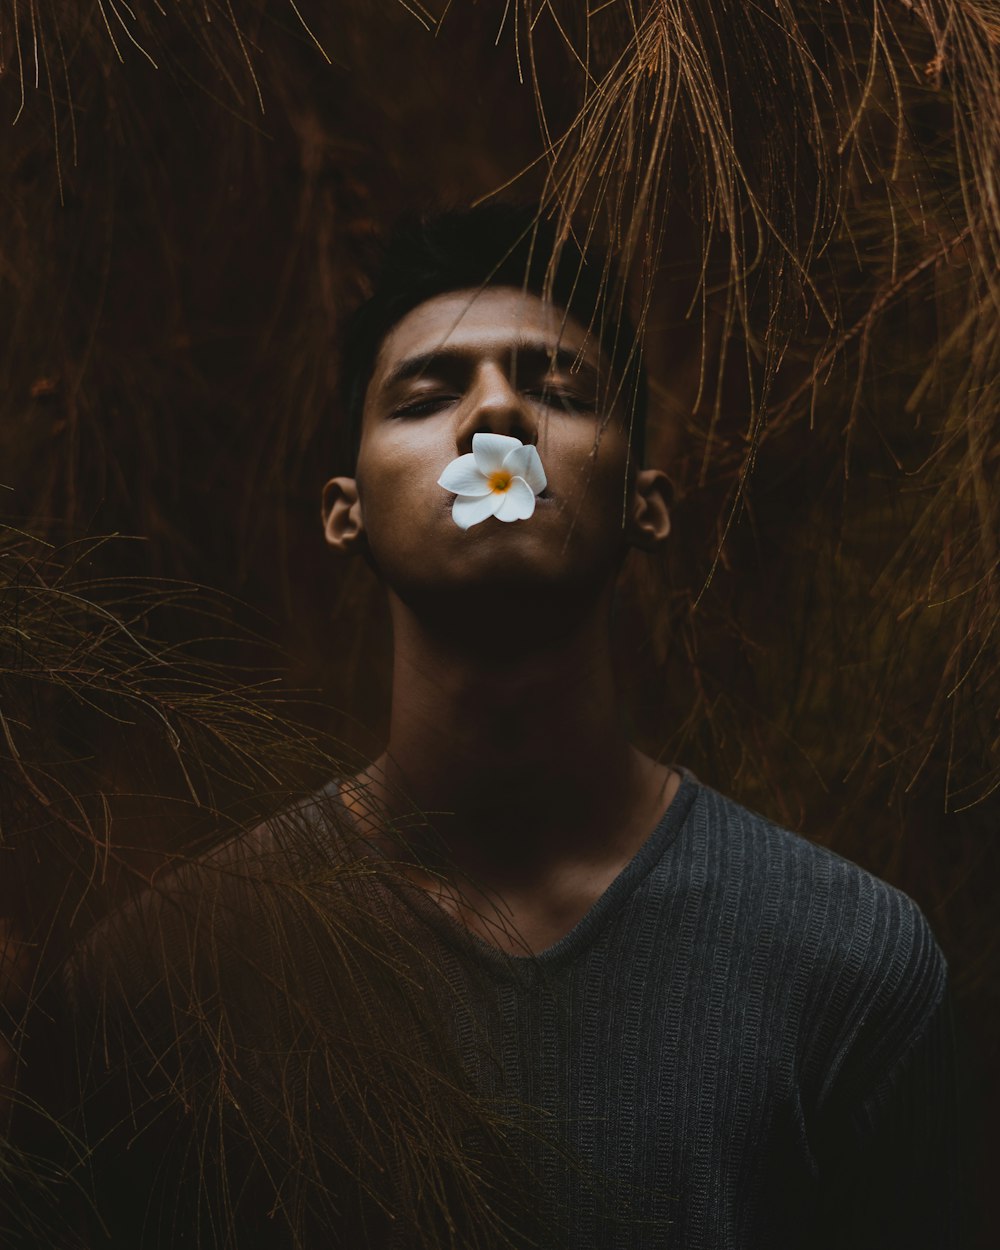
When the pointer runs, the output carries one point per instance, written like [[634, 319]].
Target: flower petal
[[517, 502], [490, 449], [525, 462], [469, 510], [463, 478]]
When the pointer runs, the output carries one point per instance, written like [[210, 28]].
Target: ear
[[649, 521], [342, 524]]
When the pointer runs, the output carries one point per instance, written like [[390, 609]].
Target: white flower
[[500, 477]]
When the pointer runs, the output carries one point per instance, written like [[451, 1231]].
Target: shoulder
[[858, 957], [195, 907], [818, 892]]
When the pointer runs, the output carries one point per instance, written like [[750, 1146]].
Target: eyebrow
[[528, 350]]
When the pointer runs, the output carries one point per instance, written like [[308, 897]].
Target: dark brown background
[[181, 241]]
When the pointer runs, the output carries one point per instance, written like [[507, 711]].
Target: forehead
[[482, 323]]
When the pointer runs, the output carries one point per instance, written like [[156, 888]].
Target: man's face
[[504, 362]]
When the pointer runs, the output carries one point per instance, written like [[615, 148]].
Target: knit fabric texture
[[747, 1043]]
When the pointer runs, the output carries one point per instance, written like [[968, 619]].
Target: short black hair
[[494, 244]]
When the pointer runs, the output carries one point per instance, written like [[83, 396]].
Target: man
[[503, 708], [745, 1039], [514, 983]]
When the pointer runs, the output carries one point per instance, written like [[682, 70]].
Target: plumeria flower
[[500, 477]]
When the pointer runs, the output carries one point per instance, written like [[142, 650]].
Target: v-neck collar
[[586, 929]]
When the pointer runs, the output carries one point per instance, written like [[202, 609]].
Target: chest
[[677, 1098]]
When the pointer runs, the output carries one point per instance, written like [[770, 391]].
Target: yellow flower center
[[500, 480]]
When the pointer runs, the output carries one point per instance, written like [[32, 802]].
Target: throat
[[530, 917], [523, 889], [509, 769]]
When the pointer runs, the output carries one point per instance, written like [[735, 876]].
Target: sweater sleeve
[[893, 1170]]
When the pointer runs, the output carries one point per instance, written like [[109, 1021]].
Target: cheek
[[399, 496], [595, 484]]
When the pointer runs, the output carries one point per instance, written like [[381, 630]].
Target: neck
[[508, 740]]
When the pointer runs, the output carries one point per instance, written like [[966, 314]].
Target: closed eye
[[425, 406], [560, 397]]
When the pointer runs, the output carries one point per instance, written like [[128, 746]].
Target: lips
[[544, 500]]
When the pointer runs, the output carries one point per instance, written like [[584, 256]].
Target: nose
[[493, 405]]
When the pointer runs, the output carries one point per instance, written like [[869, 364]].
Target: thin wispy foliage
[[254, 1008], [803, 199]]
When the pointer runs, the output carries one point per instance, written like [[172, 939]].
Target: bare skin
[[504, 726]]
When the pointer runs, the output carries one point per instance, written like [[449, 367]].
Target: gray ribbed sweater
[[746, 1044], [747, 1035]]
